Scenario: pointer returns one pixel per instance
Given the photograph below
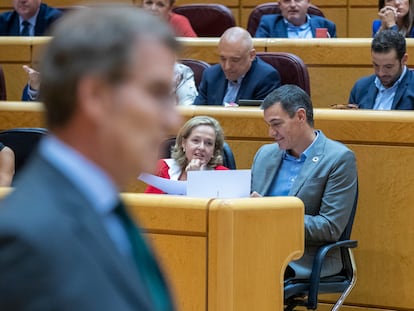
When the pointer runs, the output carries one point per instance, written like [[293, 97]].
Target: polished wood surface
[[334, 65], [383, 142], [223, 255]]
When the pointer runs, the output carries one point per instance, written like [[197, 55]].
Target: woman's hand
[[388, 16], [195, 165]]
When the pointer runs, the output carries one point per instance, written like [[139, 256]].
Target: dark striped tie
[[147, 267], [26, 29]]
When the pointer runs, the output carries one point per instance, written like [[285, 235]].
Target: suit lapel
[[402, 87], [371, 95]]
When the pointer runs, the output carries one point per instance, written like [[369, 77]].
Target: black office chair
[[305, 292], [228, 157], [23, 142]]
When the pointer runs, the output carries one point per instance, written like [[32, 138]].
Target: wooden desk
[[334, 65], [383, 143], [223, 255]]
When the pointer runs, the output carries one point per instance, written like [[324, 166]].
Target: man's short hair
[[94, 41], [291, 98], [386, 40]]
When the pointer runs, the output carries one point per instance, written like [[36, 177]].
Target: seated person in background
[[6, 166], [305, 163], [392, 85], [199, 146], [179, 23], [293, 22], [240, 74], [396, 15], [29, 18], [184, 85]]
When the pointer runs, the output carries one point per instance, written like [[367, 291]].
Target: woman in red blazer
[[199, 146]]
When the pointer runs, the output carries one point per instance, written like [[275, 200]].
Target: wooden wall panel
[[338, 16], [360, 22]]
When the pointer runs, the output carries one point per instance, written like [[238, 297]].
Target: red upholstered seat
[[207, 19], [271, 8], [197, 66], [291, 68]]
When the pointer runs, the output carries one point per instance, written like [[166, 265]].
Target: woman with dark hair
[[198, 146], [397, 15], [163, 9]]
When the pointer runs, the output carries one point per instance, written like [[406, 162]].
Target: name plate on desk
[[219, 184]]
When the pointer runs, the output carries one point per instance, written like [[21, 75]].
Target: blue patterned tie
[[147, 267], [26, 29]]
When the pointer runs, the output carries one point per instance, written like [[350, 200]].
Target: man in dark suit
[[29, 18], [392, 85], [66, 241], [293, 22], [305, 163], [240, 74]]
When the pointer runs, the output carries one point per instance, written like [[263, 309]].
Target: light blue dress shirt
[[288, 171], [297, 32], [92, 182], [385, 96], [233, 88], [32, 22]]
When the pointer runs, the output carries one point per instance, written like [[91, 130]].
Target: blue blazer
[[327, 185], [10, 26], [364, 93], [56, 254], [259, 81], [376, 24], [273, 26]]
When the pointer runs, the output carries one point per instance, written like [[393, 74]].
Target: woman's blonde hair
[[177, 152]]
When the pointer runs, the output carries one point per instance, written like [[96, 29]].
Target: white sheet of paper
[[219, 184], [167, 185]]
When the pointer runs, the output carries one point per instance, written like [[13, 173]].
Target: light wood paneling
[[360, 22]]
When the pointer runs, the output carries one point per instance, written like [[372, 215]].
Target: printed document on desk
[[219, 184]]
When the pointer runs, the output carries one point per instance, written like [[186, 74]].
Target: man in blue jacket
[[29, 18], [293, 22], [240, 74], [392, 85]]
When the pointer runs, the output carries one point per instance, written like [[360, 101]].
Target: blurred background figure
[[396, 15], [179, 23], [184, 85], [29, 18]]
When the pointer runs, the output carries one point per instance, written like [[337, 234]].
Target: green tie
[[147, 267]]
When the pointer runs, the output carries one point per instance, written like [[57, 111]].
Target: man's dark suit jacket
[[273, 26], [259, 81], [10, 26], [56, 253], [364, 93]]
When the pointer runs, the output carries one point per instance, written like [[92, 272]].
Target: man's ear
[[252, 54], [92, 96], [301, 113], [404, 59]]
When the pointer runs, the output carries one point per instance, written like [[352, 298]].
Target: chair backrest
[[272, 8], [228, 157], [23, 142], [197, 66], [207, 19], [291, 68], [3, 94]]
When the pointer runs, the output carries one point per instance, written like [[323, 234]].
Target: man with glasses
[[240, 74], [392, 85], [294, 22]]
